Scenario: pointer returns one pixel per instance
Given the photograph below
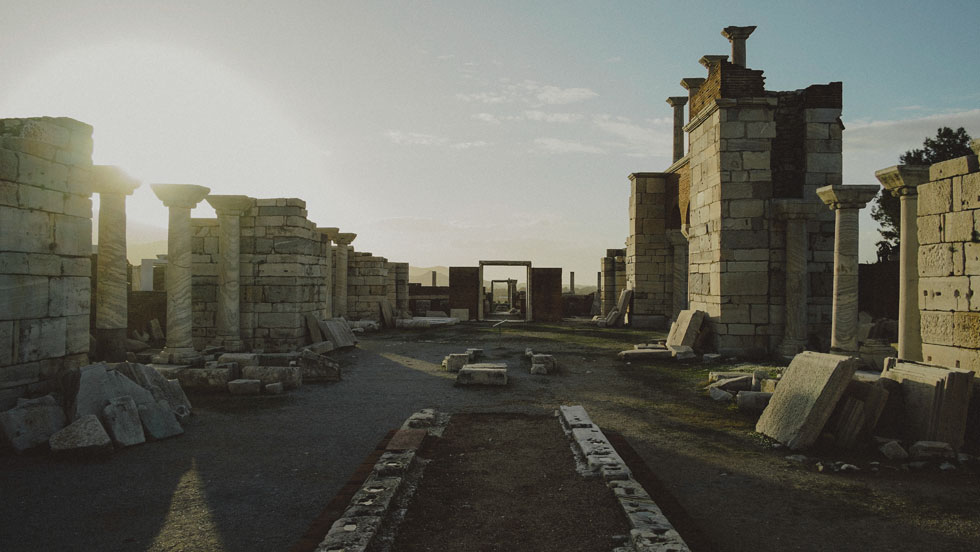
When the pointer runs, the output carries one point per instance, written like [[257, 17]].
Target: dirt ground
[[508, 482], [252, 473]]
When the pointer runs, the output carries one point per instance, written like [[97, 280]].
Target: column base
[[790, 347], [229, 344], [110, 344], [178, 355]]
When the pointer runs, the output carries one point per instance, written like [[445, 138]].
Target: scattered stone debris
[[720, 394], [486, 373], [83, 436], [893, 450], [682, 341], [246, 386], [121, 419], [752, 401], [925, 450], [543, 364], [32, 422], [936, 399], [455, 361]]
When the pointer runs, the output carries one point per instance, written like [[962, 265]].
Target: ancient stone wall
[[648, 250], [367, 285], [45, 245], [949, 264]]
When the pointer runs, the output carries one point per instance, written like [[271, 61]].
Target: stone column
[[180, 198], [229, 209], [712, 59], [327, 235], [679, 285], [571, 283], [737, 36], [433, 278], [903, 181], [340, 282], [678, 103], [795, 213], [846, 201], [111, 299]]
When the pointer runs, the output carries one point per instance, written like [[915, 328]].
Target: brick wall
[[45, 244], [949, 264]]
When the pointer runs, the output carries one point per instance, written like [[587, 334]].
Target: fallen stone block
[[645, 355], [83, 436], [936, 400], [160, 387], [320, 348], [805, 399], [121, 419], [475, 354], [681, 352], [337, 331], [543, 364], [732, 385], [710, 358], [98, 384], [574, 417], [720, 395], [924, 450], [393, 464], [482, 374], [317, 367], [757, 377], [32, 422], [752, 401], [245, 387], [136, 346], [350, 534], [275, 388], [278, 359], [423, 418], [768, 385], [436, 314], [456, 361], [205, 379], [657, 345], [893, 450], [716, 376], [159, 421], [290, 376], [183, 410], [611, 317], [686, 329], [406, 439], [857, 412], [241, 359], [374, 497]]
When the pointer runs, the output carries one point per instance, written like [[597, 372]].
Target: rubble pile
[[684, 341]]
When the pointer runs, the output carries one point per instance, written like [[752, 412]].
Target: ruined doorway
[[504, 292]]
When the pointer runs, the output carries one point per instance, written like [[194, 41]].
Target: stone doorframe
[[528, 314]]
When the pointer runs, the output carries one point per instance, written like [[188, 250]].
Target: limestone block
[[316, 367], [944, 294], [486, 373], [72, 235], [822, 115], [806, 397], [32, 422], [245, 387], [23, 296], [37, 171], [958, 226], [893, 451], [931, 449], [971, 259], [121, 419], [966, 192], [290, 376], [40, 339], [966, 330], [159, 420], [70, 296], [936, 327], [645, 355], [454, 362], [84, 436], [824, 162], [941, 259], [752, 401], [935, 198], [734, 384], [543, 364], [685, 331], [204, 379], [953, 167], [952, 357]]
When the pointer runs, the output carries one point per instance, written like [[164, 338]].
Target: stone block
[[752, 401], [83, 436], [159, 420], [462, 314], [935, 399], [316, 367], [806, 397], [958, 226], [543, 364], [275, 388], [944, 294], [645, 355], [966, 330], [69, 296], [205, 379], [966, 192], [121, 419], [23, 296], [930, 229], [290, 376], [32, 422], [482, 374], [953, 167], [936, 327], [893, 451], [824, 162], [734, 384], [454, 361], [935, 198], [687, 328], [941, 259], [41, 339], [98, 385], [245, 387], [925, 450]]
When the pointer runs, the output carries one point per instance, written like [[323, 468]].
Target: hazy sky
[[447, 132]]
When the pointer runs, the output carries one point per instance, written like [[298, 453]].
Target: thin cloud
[[415, 138], [487, 118], [553, 95], [636, 139], [529, 92], [557, 145], [469, 145], [534, 115]]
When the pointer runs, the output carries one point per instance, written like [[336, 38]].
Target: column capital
[[787, 209], [677, 101], [692, 84], [345, 238], [902, 180], [110, 179], [180, 195], [712, 59], [331, 232], [737, 33], [847, 197], [234, 205]]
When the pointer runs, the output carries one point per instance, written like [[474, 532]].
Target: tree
[[948, 144]]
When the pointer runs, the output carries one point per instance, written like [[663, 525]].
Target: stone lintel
[[230, 204], [785, 209], [692, 84], [330, 232], [677, 101], [110, 179], [903, 179], [737, 33], [634, 176], [345, 238], [712, 59], [180, 195], [847, 197]]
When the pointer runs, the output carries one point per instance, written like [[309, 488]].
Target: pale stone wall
[[949, 264], [367, 285], [648, 251], [204, 280], [45, 248]]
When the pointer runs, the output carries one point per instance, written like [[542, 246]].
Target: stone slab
[[98, 385], [406, 439], [574, 417], [32, 422], [806, 397], [752, 401], [317, 367], [645, 355], [160, 387], [936, 399], [245, 387], [337, 331], [455, 361], [205, 379], [543, 364], [159, 421], [242, 359], [482, 374], [686, 329], [290, 376], [121, 419], [85, 436], [736, 384]]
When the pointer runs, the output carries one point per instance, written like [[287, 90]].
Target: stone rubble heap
[[683, 342]]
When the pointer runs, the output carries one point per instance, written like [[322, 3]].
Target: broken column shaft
[[111, 303], [903, 181], [180, 199], [737, 36], [846, 202], [229, 209]]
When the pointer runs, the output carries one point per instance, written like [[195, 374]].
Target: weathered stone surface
[[350, 534], [317, 367], [681, 352], [242, 359], [543, 364], [936, 399], [160, 387], [455, 361], [32, 422], [275, 388], [752, 401], [807, 394], [574, 417], [98, 385], [85, 435], [159, 420], [475, 354], [719, 394], [205, 379], [121, 419], [686, 329], [290, 376], [337, 331], [739, 383], [645, 355], [482, 374], [893, 451], [921, 450], [245, 387]]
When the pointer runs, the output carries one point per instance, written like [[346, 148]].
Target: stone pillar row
[[229, 209], [846, 202]]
